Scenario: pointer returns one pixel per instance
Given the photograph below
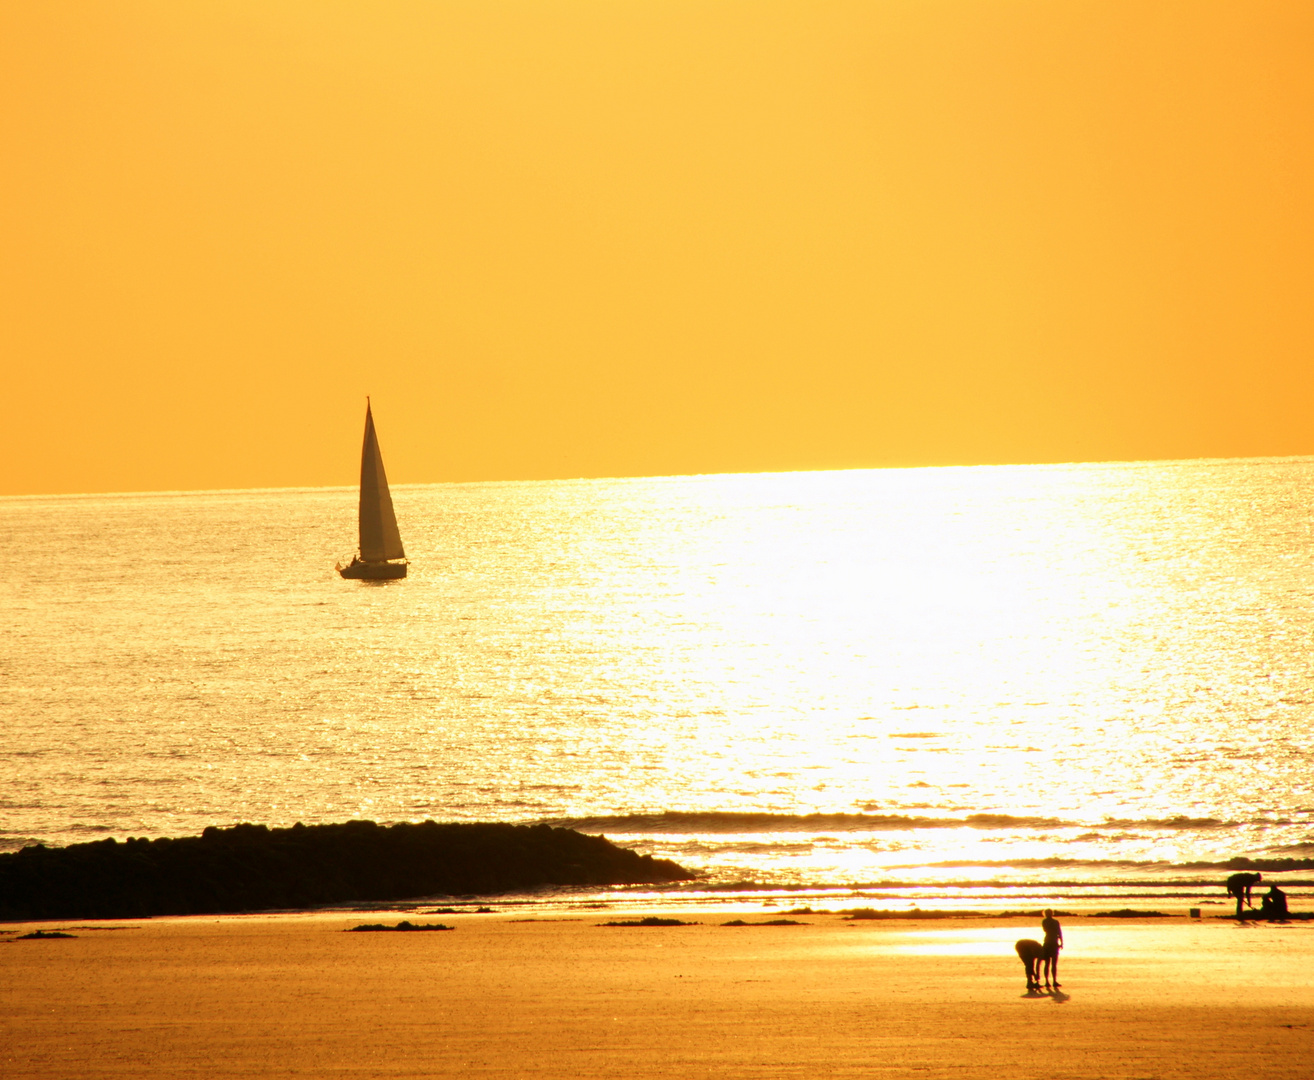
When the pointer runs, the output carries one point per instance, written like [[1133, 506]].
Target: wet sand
[[285, 996]]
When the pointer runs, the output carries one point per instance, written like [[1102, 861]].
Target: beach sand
[[290, 995]]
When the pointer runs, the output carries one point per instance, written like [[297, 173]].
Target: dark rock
[[254, 868], [403, 926]]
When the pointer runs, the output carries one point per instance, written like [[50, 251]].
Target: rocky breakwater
[[255, 868]]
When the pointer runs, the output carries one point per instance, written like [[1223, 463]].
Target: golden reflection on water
[[1072, 646]]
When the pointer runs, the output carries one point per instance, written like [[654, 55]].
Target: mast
[[379, 538]]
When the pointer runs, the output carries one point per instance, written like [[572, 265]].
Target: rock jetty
[[256, 868]]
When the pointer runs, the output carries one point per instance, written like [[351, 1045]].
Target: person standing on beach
[[1049, 949], [1239, 885]]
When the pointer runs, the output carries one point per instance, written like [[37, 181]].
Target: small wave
[[1008, 821], [1306, 848], [1240, 862], [677, 850], [1179, 822], [720, 821], [730, 822], [1276, 866], [1030, 864], [17, 843], [912, 888]]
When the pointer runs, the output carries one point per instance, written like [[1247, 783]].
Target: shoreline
[[711, 898], [255, 868], [707, 908]]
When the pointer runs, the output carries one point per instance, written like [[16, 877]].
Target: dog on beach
[[1031, 953]]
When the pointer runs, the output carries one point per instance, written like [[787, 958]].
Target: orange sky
[[560, 238]]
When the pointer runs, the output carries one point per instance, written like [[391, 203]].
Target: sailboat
[[381, 556]]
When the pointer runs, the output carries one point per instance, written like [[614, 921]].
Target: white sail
[[379, 538]]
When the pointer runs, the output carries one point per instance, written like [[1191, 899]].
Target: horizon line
[[1130, 462]]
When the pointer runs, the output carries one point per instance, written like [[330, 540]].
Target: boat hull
[[373, 571]]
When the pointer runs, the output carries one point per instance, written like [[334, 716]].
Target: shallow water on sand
[[1089, 674]]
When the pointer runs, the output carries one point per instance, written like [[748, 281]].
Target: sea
[[983, 688]]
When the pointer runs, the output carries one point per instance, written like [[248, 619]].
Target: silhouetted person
[[1274, 904], [1239, 885], [1050, 949], [1029, 952]]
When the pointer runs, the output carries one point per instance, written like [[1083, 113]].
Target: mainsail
[[379, 538]]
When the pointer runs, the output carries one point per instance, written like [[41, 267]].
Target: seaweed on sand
[[1132, 913], [402, 926], [857, 914], [651, 920], [769, 922]]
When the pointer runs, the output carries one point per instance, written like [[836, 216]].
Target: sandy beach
[[563, 996]]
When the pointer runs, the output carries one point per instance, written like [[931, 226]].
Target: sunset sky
[[559, 238]]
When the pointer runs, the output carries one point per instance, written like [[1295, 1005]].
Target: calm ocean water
[[901, 684]]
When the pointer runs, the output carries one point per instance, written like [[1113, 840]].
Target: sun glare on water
[[967, 672]]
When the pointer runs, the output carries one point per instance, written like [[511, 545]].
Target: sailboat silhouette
[[381, 555]]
